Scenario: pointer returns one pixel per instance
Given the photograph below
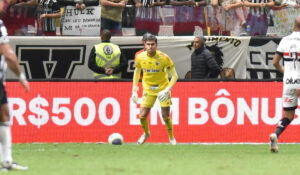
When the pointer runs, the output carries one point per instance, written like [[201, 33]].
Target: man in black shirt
[[203, 62]]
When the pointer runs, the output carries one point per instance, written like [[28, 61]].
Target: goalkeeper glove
[[164, 94], [134, 95]]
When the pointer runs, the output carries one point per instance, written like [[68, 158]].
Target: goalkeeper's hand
[[164, 94], [134, 95]]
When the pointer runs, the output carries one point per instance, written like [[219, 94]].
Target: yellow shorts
[[149, 100]]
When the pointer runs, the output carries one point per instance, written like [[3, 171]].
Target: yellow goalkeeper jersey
[[155, 71]]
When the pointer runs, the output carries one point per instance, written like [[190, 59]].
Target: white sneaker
[[173, 141], [143, 138], [273, 143], [3, 169], [7, 166]]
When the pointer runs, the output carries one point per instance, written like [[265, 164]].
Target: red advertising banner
[[205, 112]]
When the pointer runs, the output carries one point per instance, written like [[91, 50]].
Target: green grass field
[[156, 159]]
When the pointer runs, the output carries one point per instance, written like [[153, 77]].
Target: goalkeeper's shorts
[[149, 100]]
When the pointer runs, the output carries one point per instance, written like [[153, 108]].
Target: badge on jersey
[[108, 50], [154, 87]]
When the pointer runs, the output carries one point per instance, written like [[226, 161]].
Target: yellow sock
[[169, 126], [144, 124]]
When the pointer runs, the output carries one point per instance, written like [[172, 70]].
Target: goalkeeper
[[155, 65]]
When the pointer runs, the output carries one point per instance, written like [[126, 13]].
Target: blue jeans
[[114, 26]]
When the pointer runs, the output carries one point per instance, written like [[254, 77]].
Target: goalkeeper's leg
[[144, 124], [168, 124]]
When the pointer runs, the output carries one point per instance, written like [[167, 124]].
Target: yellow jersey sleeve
[[138, 61], [169, 63]]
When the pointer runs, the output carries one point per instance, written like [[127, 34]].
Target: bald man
[[289, 50]]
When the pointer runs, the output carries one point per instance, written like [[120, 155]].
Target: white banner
[[234, 51], [85, 22], [67, 57], [259, 62]]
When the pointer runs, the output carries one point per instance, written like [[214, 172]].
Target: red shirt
[[15, 17]]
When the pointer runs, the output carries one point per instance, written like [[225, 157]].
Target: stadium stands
[[198, 20]]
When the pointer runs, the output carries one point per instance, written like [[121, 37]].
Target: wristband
[[168, 88], [22, 77], [135, 88]]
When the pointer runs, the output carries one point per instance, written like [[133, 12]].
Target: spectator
[[50, 10], [111, 15], [187, 15], [239, 9], [219, 22], [289, 3], [128, 17], [17, 19], [203, 64], [257, 17], [106, 59], [79, 5], [215, 4], [148, 16]]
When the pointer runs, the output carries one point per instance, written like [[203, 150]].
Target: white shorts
[[3, 33], [289, 99]]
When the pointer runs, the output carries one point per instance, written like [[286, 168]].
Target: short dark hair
[[146, 35], [105, 35], [150, 37], [202, 39]]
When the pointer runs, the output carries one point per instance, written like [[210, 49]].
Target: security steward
[[106, 59]]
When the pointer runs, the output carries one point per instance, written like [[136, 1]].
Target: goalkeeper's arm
[[174, 77], [136, 76]]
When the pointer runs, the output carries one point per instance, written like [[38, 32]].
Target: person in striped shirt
[[257, 17]]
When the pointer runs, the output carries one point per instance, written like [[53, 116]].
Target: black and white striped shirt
[[49, 7], [3, 40], [257, 11], [147, 3]]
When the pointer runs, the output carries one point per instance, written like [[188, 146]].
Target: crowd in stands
[[136, 17]]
